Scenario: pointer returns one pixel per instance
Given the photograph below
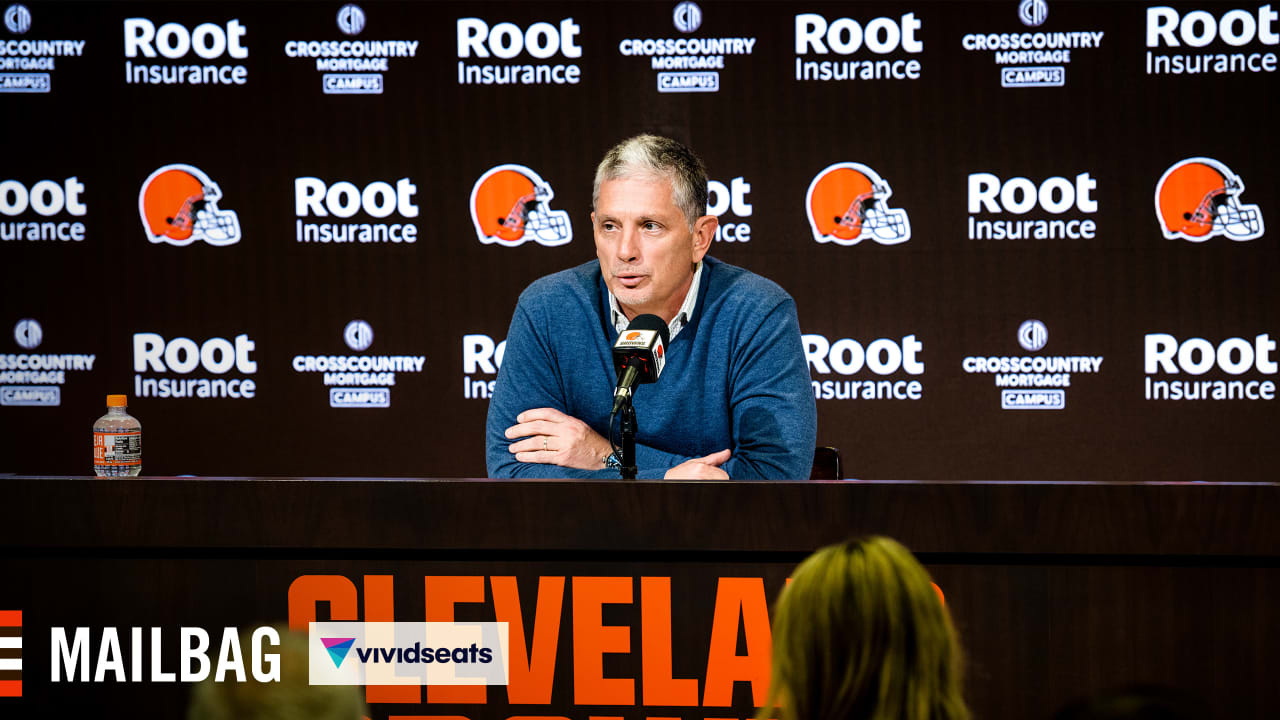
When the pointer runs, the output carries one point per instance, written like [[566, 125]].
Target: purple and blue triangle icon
[[338, 649]]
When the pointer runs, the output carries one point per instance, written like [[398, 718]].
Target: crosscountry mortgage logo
[[1199, 198], [359, 381], [1032, 383], [35, 380], [358, 334], [351, 67], [28, 333], [17, 18], [687, 17], [847, 198], [178, 205], [351, 20], [1033, 13], [1033, 335], [511, 204]]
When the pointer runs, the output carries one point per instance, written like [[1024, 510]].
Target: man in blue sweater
[[734, 400]]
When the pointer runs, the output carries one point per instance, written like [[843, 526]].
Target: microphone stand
[[628, 423]]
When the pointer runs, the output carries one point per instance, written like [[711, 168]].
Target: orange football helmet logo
[[509, 205], [847, 198], [179, 205], [1199, 197]]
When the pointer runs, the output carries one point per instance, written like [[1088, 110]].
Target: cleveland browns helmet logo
[[179, 205], [847, 198], [1199, 197], [510, 204]]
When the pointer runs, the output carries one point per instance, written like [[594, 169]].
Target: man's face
[[647, 252]]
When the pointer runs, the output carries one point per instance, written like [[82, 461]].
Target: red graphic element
[[11, 687]]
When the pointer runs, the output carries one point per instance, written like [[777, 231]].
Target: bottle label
[[117, 449]]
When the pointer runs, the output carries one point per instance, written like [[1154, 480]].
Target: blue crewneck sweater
[[735, 377]]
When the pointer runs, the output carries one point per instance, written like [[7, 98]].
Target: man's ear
[[704, 231]]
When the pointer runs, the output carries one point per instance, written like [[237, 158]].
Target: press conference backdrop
[[1027, 240]]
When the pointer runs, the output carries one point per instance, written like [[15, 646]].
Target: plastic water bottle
[[117, 441]]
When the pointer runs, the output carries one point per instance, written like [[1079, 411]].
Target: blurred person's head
[[861, 634], [293, 698]]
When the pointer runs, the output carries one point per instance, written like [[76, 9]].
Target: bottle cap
[[117, 400]]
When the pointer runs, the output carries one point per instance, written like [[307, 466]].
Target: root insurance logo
[[1200, 42], [42, 210], [837, 368], [530, 53], [176, 43], [1237, 368], [879, 48]]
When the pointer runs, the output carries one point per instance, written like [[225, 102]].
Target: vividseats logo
[[36, 379], [175, 41], [1033, 59], [28, 54], [51, 201], [351, 67], [847, 198], [1199, 198], [1241, 31], [408, 653], [1028, 382], [887, 358], [1065, 202], [511, 204], [359, 381], [178, 205], [687, 64]]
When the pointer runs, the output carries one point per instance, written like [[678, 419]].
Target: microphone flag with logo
[[639, 355]]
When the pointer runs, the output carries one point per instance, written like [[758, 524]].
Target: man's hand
[[554, 438], [702, 468]]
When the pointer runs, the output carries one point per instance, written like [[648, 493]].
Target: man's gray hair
[[662, 158]]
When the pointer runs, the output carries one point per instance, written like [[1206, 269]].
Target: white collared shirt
[[620, 321]]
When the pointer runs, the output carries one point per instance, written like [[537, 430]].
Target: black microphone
[[639, 355]]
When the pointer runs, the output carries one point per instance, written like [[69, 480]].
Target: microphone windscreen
[[652, 322]]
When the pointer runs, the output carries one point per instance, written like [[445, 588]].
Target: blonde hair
[[293, 698], [861, 634]]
